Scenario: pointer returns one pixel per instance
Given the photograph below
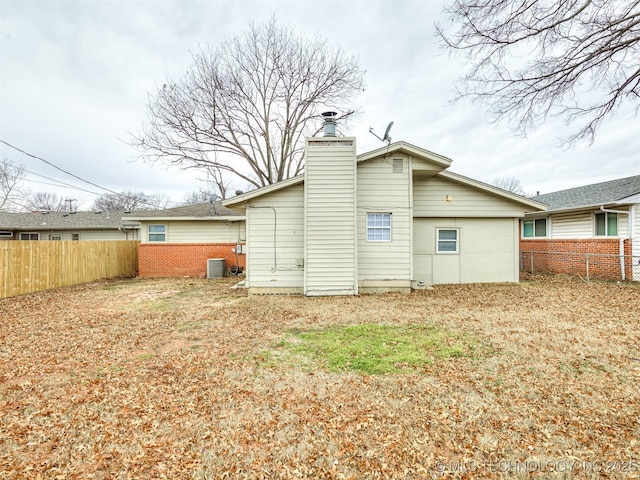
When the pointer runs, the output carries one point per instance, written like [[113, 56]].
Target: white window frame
[[456, 241], [534, 220], [52, 235], [29, 233], [606, 225], [75, 237], [163, 233], [373, 228]]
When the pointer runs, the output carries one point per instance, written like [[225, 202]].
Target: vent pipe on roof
[[329, 126]]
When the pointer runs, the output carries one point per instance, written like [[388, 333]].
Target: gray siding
[[330, 217]]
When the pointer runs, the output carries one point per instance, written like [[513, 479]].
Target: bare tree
[[510, 184], [50, 201], [158, 201], [12, 190], [581, 59], [243, 109], [196, 196], [126, 201]]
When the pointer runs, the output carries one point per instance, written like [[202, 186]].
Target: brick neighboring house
[[601, 220], [178, 241]]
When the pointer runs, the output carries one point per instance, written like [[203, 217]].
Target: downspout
[[621, 241]]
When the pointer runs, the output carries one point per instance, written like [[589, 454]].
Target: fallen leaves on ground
[[164, 378]]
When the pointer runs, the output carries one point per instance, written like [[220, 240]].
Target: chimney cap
[[329, 115]]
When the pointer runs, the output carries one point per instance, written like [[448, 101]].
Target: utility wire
[[73, 175], [58, 168]]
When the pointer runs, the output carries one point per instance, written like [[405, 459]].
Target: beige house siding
[[582, 225], [385, 189], [488, 251], [198, 231], [276, 267], [441, 197], [330, 249], [107, 234]]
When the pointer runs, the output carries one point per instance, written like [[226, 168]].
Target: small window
[[448, 240], [379, 227], [75, 236], [29, 236], [157, 233], [55, 236], [534, 228], [606, 224]]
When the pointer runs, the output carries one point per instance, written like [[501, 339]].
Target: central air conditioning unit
[[216, 267]]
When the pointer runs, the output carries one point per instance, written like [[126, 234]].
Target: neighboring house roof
[[396, 148], [198, 211], [603, 193], [36, 221]]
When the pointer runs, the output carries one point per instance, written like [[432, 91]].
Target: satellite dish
[[386, 137], [212, 200]]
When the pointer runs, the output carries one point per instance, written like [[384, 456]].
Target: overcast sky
[[75, 76]]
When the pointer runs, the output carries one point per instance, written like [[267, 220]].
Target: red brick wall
[[569, 256], [183, 259]]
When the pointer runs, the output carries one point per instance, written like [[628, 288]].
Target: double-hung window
[[157, 233], [534, 228], [606, 224], [29, 236], [448, 240], [378, 227]]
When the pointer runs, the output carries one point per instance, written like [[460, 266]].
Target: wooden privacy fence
[[32, 266]]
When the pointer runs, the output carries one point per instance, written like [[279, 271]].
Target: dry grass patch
[[168, 379]]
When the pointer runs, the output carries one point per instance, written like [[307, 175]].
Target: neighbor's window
[[534, 228], [448, 240], [55, 236], [379, 227], [29, 236], [157, 233], [75, 236], [606, 224]]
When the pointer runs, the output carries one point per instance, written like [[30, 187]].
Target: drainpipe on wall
[[621, 243]]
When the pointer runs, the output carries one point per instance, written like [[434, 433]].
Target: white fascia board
[[595, 206], [494, 190], [263, 191], [228, 218], [408, 148]]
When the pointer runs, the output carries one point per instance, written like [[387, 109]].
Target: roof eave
[[226, 218], [494, 190], [245, 197]]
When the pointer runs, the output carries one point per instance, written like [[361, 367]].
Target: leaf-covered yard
[[188, 378]]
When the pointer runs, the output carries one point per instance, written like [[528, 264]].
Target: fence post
[[622, 272], [531, 262], [587, 261]]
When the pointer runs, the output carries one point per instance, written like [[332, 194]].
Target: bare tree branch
[[510, 184], [243, 109], [12, 191], [531, 59]]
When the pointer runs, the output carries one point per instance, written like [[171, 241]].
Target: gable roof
[[396, 148], [596, 194], [37, 221], [198, 211]]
